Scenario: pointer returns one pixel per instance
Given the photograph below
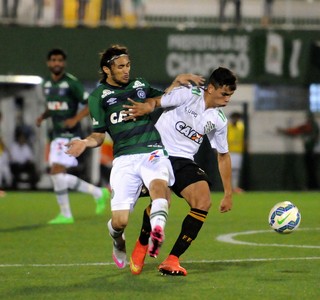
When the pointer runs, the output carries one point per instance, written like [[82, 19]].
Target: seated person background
[[22, 162]]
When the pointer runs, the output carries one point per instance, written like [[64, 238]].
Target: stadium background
[[277, 66]]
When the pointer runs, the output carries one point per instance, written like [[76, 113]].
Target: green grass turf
[[38, 261]]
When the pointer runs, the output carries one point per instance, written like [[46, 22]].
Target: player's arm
[[77, 147], [43, 116], [224, 165], [137, 109], [71, 122], [185, 80]]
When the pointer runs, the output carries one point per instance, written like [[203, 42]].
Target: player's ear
[[210, 88], [106, 70]]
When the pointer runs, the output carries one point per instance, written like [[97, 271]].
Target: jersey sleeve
[[153, 92], [79, 92], [218, 138], [97, 114], [176, 97]]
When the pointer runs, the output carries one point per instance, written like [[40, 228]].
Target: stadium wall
[[259, 57]]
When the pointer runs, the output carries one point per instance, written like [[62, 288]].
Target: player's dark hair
[[223, 76], [56, 51], [108, 56]]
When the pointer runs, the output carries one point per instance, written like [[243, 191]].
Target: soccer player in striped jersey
[[64, 96], [189, 114], [139, 155]]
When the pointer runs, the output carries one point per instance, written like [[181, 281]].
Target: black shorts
[[186, 172]]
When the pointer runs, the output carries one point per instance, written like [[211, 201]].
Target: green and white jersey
[[106, 108], [186, 120], [63, 98]]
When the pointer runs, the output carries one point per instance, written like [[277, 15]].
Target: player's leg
[[116, 226], [60, 162], [60, 188], [141, 246], [236, 162], [191, 183], [198, 197], [126, 187], [157, 173], [100, 195]]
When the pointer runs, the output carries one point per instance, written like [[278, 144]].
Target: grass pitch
[[236, 255]]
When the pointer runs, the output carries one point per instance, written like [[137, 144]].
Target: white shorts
[[58, 156], [129, 172]]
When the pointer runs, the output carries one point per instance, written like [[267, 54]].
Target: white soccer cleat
[[119, 253]]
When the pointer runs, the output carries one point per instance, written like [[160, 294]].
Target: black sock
[[146, 227], [189, 231]]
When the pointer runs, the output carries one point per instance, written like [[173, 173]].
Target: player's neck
[[56, 77]]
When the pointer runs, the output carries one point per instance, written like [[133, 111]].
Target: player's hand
[[190, 79], [39, 121], [226, 204], [137, 109], [76, 147]]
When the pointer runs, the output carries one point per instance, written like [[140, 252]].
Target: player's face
[[219, 97], [119, 72], [56, 64]]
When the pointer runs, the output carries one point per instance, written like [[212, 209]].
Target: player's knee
[[119, 222], [158, 188], [199, 202]]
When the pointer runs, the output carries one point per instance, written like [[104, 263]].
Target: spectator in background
[[237, 13], [309, 131], [236, 141], [22, 162], [58, 12], [139, 7], [39, 4], [82, 6], [5, 174], [267, 12], [111, 9], [10, 14], [104, 10]]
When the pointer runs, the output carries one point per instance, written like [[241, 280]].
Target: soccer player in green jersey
[[139, 156], [64, 94]]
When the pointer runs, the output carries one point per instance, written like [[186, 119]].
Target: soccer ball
[[284, 217]]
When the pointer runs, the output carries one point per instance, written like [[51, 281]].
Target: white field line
[[229, 238], [217, 261]]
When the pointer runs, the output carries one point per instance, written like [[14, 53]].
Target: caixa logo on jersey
[[141, 94], [188, 132]]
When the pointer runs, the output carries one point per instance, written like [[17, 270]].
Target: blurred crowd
[[73, 13]]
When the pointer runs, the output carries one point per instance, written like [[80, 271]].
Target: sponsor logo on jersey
[[106, 93], [209, 127], [137, 84], [117, 117], [111, 101], [190, 112], [141, 94], [188, 132], [57, 105]]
